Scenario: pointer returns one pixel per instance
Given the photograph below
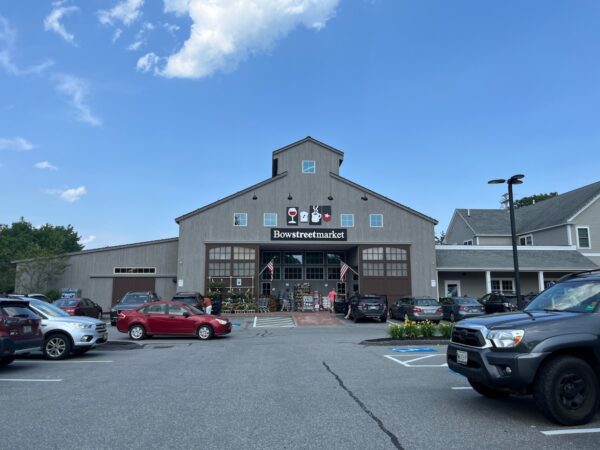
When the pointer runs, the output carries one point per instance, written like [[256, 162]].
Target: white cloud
[[45, 165], [116, 35], [148, 62], [226, 32], [140, 37], [126, 11], [178, 7], [8, 37], [88, 240], [171, 28], [76, 90], [68, 195], [53, 21], [16, 143]]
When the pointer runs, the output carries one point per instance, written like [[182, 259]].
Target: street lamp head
[[516, 179], [497, 181]]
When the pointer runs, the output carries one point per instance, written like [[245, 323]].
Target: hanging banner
[[309, 234]]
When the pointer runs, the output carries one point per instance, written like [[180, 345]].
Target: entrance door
[[452, 288], [123, 285]]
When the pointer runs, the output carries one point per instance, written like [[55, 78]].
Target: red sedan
[[79, 307], [171, 318]]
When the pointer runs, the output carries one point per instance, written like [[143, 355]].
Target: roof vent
[[468, 212]]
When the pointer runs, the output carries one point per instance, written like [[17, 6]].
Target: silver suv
[[65, 334]]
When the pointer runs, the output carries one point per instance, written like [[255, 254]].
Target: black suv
[[130, 301], [497, 302], [550, 350], [368, 307]]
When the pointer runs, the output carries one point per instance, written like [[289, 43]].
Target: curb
[[405, 342]]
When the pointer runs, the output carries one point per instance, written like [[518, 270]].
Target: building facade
[[306, 219]]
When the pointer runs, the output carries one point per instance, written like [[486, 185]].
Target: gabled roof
[[308, 139], [381, 197], [226, 199], [549, 213], [458, 258]]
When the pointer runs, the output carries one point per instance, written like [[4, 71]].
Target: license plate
[[373, 307], [462, 357], [26, 329]]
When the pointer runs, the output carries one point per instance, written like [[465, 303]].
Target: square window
[[314, 273], [293, 273], [376, 220], [583, 237], [240, 219], [314, 258], [526, 240], [270, 219], [347, 220], [308, 167]]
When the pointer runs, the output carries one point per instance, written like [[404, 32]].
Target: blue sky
[[116, 116]]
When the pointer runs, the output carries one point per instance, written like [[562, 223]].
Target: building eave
[[308, 139]]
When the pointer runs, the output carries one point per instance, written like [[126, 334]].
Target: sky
[[116, 116]]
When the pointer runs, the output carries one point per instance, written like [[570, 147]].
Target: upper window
[[583, 237], [135, 270], [270, 219], [526, 240], [376, 220], [219, 253], [469, 242], [240, 219], [309, 167], [347, 220]]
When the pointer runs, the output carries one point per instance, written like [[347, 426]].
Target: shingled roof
[[545, 214]]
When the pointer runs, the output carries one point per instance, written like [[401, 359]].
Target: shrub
[[446, 329], [53, 294], [396, 331], [427, 328], [412, 330]]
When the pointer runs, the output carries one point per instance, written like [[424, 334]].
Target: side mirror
[[186, 314]]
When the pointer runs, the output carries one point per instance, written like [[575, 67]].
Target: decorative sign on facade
[[309, 234], [292, 215], [316, 215]]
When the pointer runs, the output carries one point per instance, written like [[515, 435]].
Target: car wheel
[[452, 317], [6, 360], [99, 316], [566, 391], [113, 324], [137, 332], [488, 391], [383, 319], [355, 318], [57, 346], [205, 332]]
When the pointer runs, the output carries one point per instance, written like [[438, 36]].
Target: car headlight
[[506, 338], [81, 325], [222, 322]]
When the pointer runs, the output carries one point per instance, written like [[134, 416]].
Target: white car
[[64, 334]]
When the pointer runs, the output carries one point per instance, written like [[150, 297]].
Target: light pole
[[515, 179]]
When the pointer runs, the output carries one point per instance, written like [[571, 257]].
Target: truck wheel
[[5, 361], [488, 391], [566, 391]]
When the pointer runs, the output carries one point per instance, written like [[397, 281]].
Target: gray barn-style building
[[306, 218]]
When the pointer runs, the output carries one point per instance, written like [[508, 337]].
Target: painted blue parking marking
[[415, 350], [236, 324], [456, 373]]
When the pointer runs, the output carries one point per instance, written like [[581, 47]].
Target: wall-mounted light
[[254, 197], [330, 197], [290, 197], [364, 197]]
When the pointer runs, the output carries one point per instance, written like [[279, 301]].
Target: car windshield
[[468, 301], [581, 296], [47, 309], [134, 299], [372, 299], [186, 299], [195, 310], [426, 302], [66, 302]]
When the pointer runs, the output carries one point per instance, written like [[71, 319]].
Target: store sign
[[316, 215], [309, 234]]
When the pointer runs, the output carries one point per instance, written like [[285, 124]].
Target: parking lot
[[266, 386]]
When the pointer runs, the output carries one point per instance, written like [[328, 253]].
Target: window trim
[[589, 237], [525, 236], [502, 291], [245, 214], [265, 219], [371, 220], [314, 166], [342, 220]]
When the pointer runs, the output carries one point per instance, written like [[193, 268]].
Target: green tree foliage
[[439, 239], [21, 240], [526, 201]]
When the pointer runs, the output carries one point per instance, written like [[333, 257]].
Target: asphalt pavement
[[265, 387]]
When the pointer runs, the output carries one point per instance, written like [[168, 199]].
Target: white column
[[541, 281], [488, 281]]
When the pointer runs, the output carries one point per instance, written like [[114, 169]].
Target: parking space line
[[30, 380], [571, 431], [420, 358], [73, 362], [407, 363], [462, 388]]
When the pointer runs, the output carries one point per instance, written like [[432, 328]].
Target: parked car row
[[29, 325]]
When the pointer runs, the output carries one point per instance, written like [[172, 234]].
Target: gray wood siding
[[291, 159], [93, 272], [458, 232], [552, 236], [216, 224], [589, 218], [494, 240]]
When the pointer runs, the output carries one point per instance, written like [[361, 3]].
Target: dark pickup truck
[[550, 350]]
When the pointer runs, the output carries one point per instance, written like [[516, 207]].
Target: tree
[[21, 240], [439, 240], [39, 274], [526, 201]]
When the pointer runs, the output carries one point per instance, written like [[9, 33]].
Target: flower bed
[[410, 330]]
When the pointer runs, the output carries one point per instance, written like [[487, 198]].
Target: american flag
[[343, 271], [271, 268]]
